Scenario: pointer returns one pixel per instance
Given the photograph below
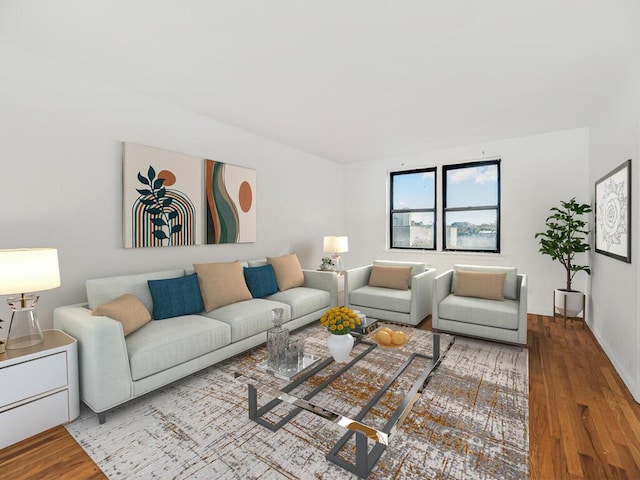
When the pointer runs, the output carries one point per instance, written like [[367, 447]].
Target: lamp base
[[24, 329]]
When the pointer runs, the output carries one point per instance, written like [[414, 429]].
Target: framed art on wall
[[162, 194], [613, 213]]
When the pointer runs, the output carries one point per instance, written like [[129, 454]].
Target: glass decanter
[[277, 340]]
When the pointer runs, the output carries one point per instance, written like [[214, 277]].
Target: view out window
[[471, 206], [413, 209]]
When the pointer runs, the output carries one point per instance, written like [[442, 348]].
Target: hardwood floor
[[584, 424]]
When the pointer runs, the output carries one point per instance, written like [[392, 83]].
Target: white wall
[[61, 184], [536, 173], [615, 318]]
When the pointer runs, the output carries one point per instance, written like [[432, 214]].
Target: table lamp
[[336, 245], [25, 270]]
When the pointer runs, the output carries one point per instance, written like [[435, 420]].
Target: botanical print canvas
[[230, 193], [162, 197]]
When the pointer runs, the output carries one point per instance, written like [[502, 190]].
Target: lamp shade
[[336, 244], [24, 270]]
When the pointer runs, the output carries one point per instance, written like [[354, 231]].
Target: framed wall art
[[162, 197], [230, 203], [613, 213]]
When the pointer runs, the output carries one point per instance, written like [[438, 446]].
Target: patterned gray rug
[[471, 422]]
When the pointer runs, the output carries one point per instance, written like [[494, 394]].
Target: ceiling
[[349, 80]]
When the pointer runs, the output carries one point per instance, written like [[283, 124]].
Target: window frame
[[445, 209], [433, 210]]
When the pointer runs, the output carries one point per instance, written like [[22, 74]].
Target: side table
[[38, 387]]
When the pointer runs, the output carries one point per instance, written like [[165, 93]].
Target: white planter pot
[[574, 303], [340, 347]]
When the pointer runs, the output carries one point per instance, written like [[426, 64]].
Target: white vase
[[340, 346], [574, 301]]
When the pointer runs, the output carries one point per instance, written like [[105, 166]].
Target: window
[[471, 206], [413, 209]]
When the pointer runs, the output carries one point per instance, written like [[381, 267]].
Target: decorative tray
[[307, 361], [389, 335]]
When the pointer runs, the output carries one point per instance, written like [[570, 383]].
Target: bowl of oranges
[[391, 336]]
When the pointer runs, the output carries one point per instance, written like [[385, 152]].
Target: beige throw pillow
[[288, 271], [126, 309], [221, 284], [390, 277], [480, 285]]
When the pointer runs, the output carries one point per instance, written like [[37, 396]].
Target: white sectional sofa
[[115, 368]]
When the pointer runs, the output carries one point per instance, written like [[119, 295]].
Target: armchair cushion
[[510, 282], [416, 267], [390, 277], [480, 311], [381, 298], [486, 285]]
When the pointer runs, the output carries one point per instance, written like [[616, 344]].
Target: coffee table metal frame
[[365, 459]]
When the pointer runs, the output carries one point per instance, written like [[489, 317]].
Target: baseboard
[[628, 382]]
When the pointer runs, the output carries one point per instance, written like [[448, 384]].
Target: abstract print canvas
[[162, 197], [230, 203]]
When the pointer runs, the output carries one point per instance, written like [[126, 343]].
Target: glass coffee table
[[369, 396]]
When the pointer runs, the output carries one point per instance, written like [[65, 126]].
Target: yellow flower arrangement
[[339, 320]]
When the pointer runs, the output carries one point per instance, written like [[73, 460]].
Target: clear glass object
[[24, 330], [277, 340]]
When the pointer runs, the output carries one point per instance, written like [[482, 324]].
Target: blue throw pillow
[[173, 297], [261, 280]]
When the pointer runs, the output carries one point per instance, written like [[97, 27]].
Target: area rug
[[471, 422]]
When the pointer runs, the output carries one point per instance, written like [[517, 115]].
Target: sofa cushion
[[390, 277], [249, 317], [126, 309], [173, 297], [381, 298], [221, 284], [103, 290], [510, 281], [488, 285], [288, 271], [480, 311], [161, 345], [261, 280], [303, 300]]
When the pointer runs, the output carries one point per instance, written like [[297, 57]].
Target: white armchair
[[503, 321], [409, 306]]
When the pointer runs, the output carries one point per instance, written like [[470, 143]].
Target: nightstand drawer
[[34, 417], [33, 377]]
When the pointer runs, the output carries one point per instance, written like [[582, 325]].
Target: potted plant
[[327, 263], [566, 236]]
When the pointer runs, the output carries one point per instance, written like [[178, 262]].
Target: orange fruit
[[383, 338], [386, 329], [398, 338]]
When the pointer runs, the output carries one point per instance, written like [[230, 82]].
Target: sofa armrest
[[322, 280], [421, 295], [105, 376], [441, 289], [522, 308]]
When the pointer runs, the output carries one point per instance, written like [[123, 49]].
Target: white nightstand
[[38, 387]]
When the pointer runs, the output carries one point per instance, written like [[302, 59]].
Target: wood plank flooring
[[584, 424]]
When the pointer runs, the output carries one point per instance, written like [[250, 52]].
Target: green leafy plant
[[159, 206], [565, 236], [327, 263]]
